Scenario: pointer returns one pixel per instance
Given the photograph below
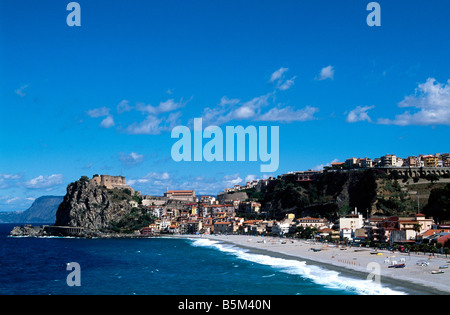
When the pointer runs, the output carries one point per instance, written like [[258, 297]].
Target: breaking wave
[[324, 277]]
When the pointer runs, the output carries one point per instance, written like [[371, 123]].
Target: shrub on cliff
[[136, 219], [438, 205]]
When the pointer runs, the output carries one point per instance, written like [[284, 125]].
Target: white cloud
[[108, 122], [288, 114], [163, 107], [277, 74], [287, 84], [244, 112], [10, 176], [11, 200], [359, 114], [432, 101], [231, 180], [132, 158], [156, 175], [234, 109], [152, 183], [253, 110], [45, 181], [98, 112], [150, 126], [170, 105], [252, 107], [225, 101], [326, 73], [8, 180], [124, 106], [14, 203], [153, 125], [173, 120], [278, 77], [250, 178], [21, 91]]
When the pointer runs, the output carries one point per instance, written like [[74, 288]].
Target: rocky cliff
[[335, 194], [92, 206]]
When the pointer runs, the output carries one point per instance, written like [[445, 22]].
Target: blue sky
[[103, 98]]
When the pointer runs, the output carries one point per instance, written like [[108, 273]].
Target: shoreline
[[350, 263], [412, 280]]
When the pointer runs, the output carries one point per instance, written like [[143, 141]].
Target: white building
[[312, 222], [346, 233], [281, 228], [350, 223]]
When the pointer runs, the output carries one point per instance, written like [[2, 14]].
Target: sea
[[160, 266]]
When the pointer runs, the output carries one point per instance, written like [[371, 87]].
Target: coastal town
[[408, 250], [232, 212]]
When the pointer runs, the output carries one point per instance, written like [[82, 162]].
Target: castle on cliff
[[111, 182]]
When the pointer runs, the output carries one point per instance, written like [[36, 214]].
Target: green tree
[[84, 179], [309, 232], [432, 178], [299, 231], [438, 205], [363, 190]]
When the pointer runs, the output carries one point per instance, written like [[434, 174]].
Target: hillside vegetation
[[334, 194]]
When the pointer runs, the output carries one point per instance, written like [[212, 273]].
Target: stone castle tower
[[110, 181]]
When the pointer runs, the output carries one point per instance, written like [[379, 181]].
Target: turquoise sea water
[[160, 266]]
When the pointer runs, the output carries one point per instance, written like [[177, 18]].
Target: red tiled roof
[[432, 232]]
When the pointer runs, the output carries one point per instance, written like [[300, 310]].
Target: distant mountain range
[[43, 210]]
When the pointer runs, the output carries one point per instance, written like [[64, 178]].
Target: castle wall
[[110, 181]]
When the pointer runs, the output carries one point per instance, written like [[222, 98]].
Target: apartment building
[[430, 161]]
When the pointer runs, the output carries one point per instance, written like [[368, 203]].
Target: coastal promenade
[[357, 262]]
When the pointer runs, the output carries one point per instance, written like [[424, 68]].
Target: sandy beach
[[355, 262]]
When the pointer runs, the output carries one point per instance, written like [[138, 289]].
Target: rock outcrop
[[93, 207], [27, 230]]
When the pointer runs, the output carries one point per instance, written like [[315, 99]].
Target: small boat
[[443, 267], [316, 249], [376, 253], [435, 272], [397, 266]]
